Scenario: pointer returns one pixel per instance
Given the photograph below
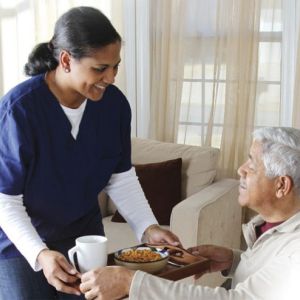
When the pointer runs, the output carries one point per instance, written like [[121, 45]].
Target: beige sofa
[[209, 213]]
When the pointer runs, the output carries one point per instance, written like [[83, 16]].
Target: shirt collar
[[290, 225], [287, 226]]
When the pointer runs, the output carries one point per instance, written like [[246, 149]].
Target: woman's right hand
[[59, 272]]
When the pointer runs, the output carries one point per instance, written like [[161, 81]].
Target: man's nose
[[241, 171]]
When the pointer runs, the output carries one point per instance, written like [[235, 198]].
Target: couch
[[209, 212]]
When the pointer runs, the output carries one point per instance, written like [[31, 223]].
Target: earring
[[67, 70]]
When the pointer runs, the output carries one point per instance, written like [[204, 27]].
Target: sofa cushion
[[199, 164], [161, 183]]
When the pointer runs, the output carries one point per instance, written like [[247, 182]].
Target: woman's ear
[[64, 60], [284, 185]]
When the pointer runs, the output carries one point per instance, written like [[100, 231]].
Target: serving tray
[[187, 267]]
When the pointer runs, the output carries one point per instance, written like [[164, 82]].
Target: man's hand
[[108, 283], [58, 272], [154, 234], [221, 258]]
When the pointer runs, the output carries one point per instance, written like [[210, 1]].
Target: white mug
[[91, 252]]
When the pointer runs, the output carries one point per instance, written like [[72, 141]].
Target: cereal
[[144, 255]]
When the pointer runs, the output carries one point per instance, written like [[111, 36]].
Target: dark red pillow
[[161, 183]]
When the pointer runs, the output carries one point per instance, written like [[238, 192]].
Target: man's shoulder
[[290, 244]]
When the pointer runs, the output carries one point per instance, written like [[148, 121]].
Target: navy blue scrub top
[[60, 177]]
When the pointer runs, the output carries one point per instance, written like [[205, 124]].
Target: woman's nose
[[109, 76]]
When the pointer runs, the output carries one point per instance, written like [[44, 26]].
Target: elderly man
[[270, 267]]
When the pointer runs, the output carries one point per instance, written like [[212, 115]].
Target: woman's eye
[[102, 69]]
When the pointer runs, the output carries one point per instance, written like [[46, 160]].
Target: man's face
[[256, 191]]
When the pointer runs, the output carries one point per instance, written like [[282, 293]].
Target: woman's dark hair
[[79, 31]]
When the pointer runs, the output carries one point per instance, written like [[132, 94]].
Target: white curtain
[[204, 71], [221, 68], [166, 62]]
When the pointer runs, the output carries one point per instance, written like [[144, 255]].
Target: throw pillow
[[161, 183]]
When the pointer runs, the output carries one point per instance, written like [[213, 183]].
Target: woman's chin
[[95, 98]]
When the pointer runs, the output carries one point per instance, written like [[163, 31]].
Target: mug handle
[[71, 253]]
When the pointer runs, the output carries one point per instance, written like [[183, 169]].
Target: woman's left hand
[[155, 234]]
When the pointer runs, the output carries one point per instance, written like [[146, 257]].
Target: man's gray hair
[[281, 152]]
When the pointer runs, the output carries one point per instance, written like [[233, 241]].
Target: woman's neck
[[65, 95]]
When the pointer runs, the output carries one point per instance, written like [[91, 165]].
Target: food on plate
[[139, 255], [147, 259]]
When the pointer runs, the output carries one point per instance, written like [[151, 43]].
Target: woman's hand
[[58, 272], [107, 283], [154, 234], [221, 258]]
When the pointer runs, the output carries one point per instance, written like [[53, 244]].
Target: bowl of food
[[147, 259]]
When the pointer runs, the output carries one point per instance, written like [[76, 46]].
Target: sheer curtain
[[204, 73], [224, 68], [166, 60], [238, 48]]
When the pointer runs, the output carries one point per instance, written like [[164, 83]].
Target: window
[[202, 79], [269, 66]]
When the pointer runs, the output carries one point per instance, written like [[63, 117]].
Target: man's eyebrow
[[251, 157]]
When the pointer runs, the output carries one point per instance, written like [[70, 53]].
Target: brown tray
[[173, 272]]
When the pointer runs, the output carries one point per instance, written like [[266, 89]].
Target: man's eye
[[251, 167]]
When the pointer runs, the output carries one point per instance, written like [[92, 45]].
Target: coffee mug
[[91, 252]]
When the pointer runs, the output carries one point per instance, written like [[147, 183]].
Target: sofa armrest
[[211, 216]]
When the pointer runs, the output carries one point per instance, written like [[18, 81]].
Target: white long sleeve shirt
[[268, 270], [124, 188]]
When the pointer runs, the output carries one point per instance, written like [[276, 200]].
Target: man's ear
[[64, 59], [284, 185]]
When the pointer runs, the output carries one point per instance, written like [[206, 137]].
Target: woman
[[65, 136]]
